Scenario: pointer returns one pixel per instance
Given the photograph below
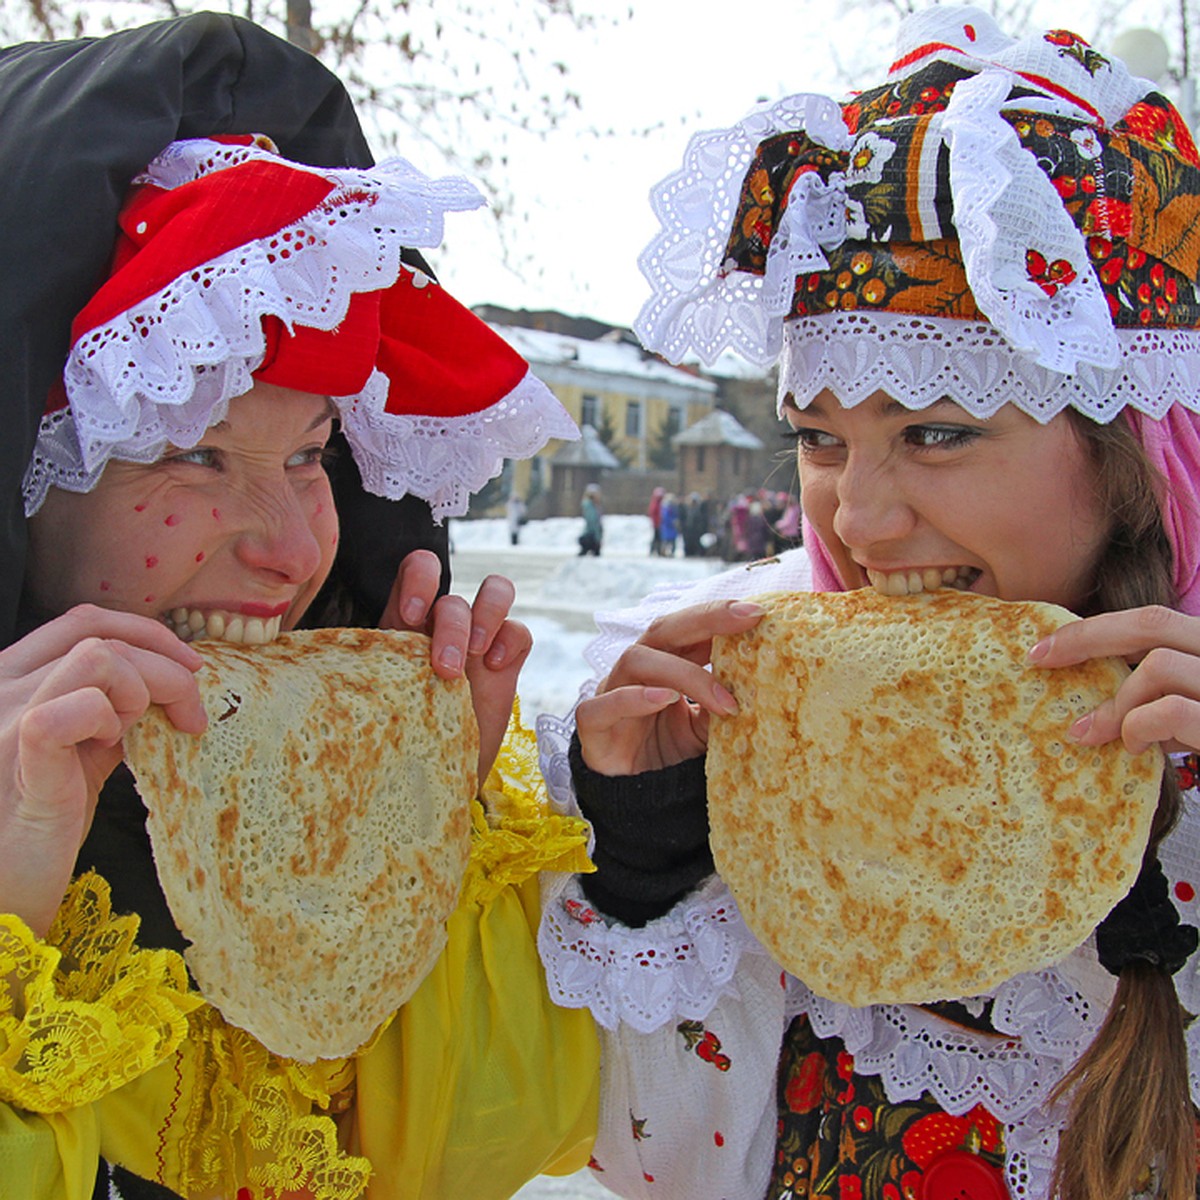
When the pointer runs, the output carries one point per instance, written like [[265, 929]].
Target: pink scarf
[[1172, 445]]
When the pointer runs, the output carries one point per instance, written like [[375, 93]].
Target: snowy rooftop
[[719, 428], [588, 451], [620, 359]]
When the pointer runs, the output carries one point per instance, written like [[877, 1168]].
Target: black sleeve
[[80, 119], [651, 837]]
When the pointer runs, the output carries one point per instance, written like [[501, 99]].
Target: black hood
[[81, 118]]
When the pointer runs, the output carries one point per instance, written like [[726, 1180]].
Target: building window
[[590, 412], [700, 459], [633, 419], [674, 422]]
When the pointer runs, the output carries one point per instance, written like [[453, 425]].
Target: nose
[[872, 508], [277, 536]]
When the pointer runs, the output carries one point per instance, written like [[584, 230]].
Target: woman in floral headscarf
[[978, 279]]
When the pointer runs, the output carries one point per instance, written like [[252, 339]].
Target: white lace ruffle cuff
[[675, 968]]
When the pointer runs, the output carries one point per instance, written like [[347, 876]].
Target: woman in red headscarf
[[978, 279], [171, 457]]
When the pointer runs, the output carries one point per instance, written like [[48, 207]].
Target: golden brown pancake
[[312, 842], [897, 807]]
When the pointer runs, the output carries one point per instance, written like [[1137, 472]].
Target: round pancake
[[897, 808], [312, 842]]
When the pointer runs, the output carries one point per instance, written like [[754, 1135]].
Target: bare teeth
[[929, 579], [191, 624]]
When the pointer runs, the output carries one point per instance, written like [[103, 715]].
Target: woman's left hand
[[1160, 701], [477, 640]]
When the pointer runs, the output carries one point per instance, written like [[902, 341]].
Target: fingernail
[[414, 611], [1038, 652], [496, 655], [1079, 729], [661, 695], [725, 699], [451, 658], [478, 640], [743, 608]]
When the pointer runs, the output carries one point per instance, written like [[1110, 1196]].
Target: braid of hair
[[1130, 1117]]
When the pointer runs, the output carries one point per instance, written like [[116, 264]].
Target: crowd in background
[[753, 524]]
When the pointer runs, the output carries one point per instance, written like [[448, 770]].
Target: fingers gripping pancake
[[311, 843], [897, 807]]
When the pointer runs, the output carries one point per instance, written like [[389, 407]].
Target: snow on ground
[[557, 595], [558, 592]]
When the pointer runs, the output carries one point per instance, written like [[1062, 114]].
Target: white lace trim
[[165, 370], [696, 306], [918, 360], [445, 459], [676, 967], [1004, 205]]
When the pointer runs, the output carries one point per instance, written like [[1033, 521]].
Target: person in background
[[229, 414], [669, 534], [738, 522], [654, 512], [592, 509], [695, 525], [979, 278], [514, 516]]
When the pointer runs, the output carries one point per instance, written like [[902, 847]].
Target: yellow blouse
[[479, 1083]]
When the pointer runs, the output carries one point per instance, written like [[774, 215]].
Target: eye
[[198, 456], [810, 440], [941, 437], [312, 456]]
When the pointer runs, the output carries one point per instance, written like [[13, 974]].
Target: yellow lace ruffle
[[87, 1011], [263, 1121], [516, 834], [84, 1011]]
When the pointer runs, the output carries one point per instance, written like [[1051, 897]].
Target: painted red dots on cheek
[[151, 561], [139, 508], [216, 512], [200, 556], [147, 599], [173, 519], [105, 586]]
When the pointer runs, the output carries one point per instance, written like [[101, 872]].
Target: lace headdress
[[235, 265], [999, 222]]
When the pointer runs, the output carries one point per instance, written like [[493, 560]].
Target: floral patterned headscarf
[[999, 222]]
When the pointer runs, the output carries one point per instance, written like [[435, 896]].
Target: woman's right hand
[[652, 710], [68, 692]]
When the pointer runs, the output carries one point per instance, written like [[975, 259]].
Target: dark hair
[[1129, 1103]]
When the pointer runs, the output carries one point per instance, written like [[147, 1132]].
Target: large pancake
[[312, 842], [897, 808]]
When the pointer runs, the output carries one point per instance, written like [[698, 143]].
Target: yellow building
[[635, 401]]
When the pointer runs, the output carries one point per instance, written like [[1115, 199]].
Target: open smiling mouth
[[929, 579], [191, 624]]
